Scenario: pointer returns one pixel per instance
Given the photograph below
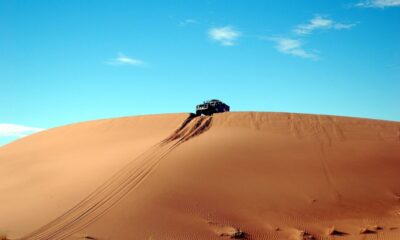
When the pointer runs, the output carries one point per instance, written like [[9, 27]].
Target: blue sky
[[69, 61]]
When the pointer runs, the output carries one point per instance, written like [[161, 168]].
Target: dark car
[[211, 107]]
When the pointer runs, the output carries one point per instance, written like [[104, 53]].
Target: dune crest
[[238, 175], [124, 181]]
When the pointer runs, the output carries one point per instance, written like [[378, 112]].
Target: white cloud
[[122, 59], [188, 22], [226, 36], [319, 22], [379, 3], [293, 47], [340, 26], [14, 130]]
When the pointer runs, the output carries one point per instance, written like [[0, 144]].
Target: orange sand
[[244, 175]]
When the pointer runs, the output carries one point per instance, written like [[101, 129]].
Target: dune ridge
[[246, 175], [124, 181]]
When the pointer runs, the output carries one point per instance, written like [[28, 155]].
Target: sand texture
[[238, 175]]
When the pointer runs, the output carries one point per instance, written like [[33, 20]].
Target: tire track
[[119, 185]]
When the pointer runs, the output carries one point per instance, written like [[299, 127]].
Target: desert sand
[[249, 175]]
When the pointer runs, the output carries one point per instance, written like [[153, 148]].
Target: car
[[210, 107]]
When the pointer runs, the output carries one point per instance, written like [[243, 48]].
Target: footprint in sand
[[228, 231], [334, 232]]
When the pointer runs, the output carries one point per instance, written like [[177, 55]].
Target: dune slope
[[239, 175]]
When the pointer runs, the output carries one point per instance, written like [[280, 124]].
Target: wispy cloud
[[379, 3], [187, 22], [122, 59], [14, 130], [293, 47], [340, 26], [319, 22], [226, 36]]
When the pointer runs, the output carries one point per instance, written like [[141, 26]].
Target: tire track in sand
[[119, 185]]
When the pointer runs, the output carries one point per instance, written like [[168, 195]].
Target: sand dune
[[232, 175]]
